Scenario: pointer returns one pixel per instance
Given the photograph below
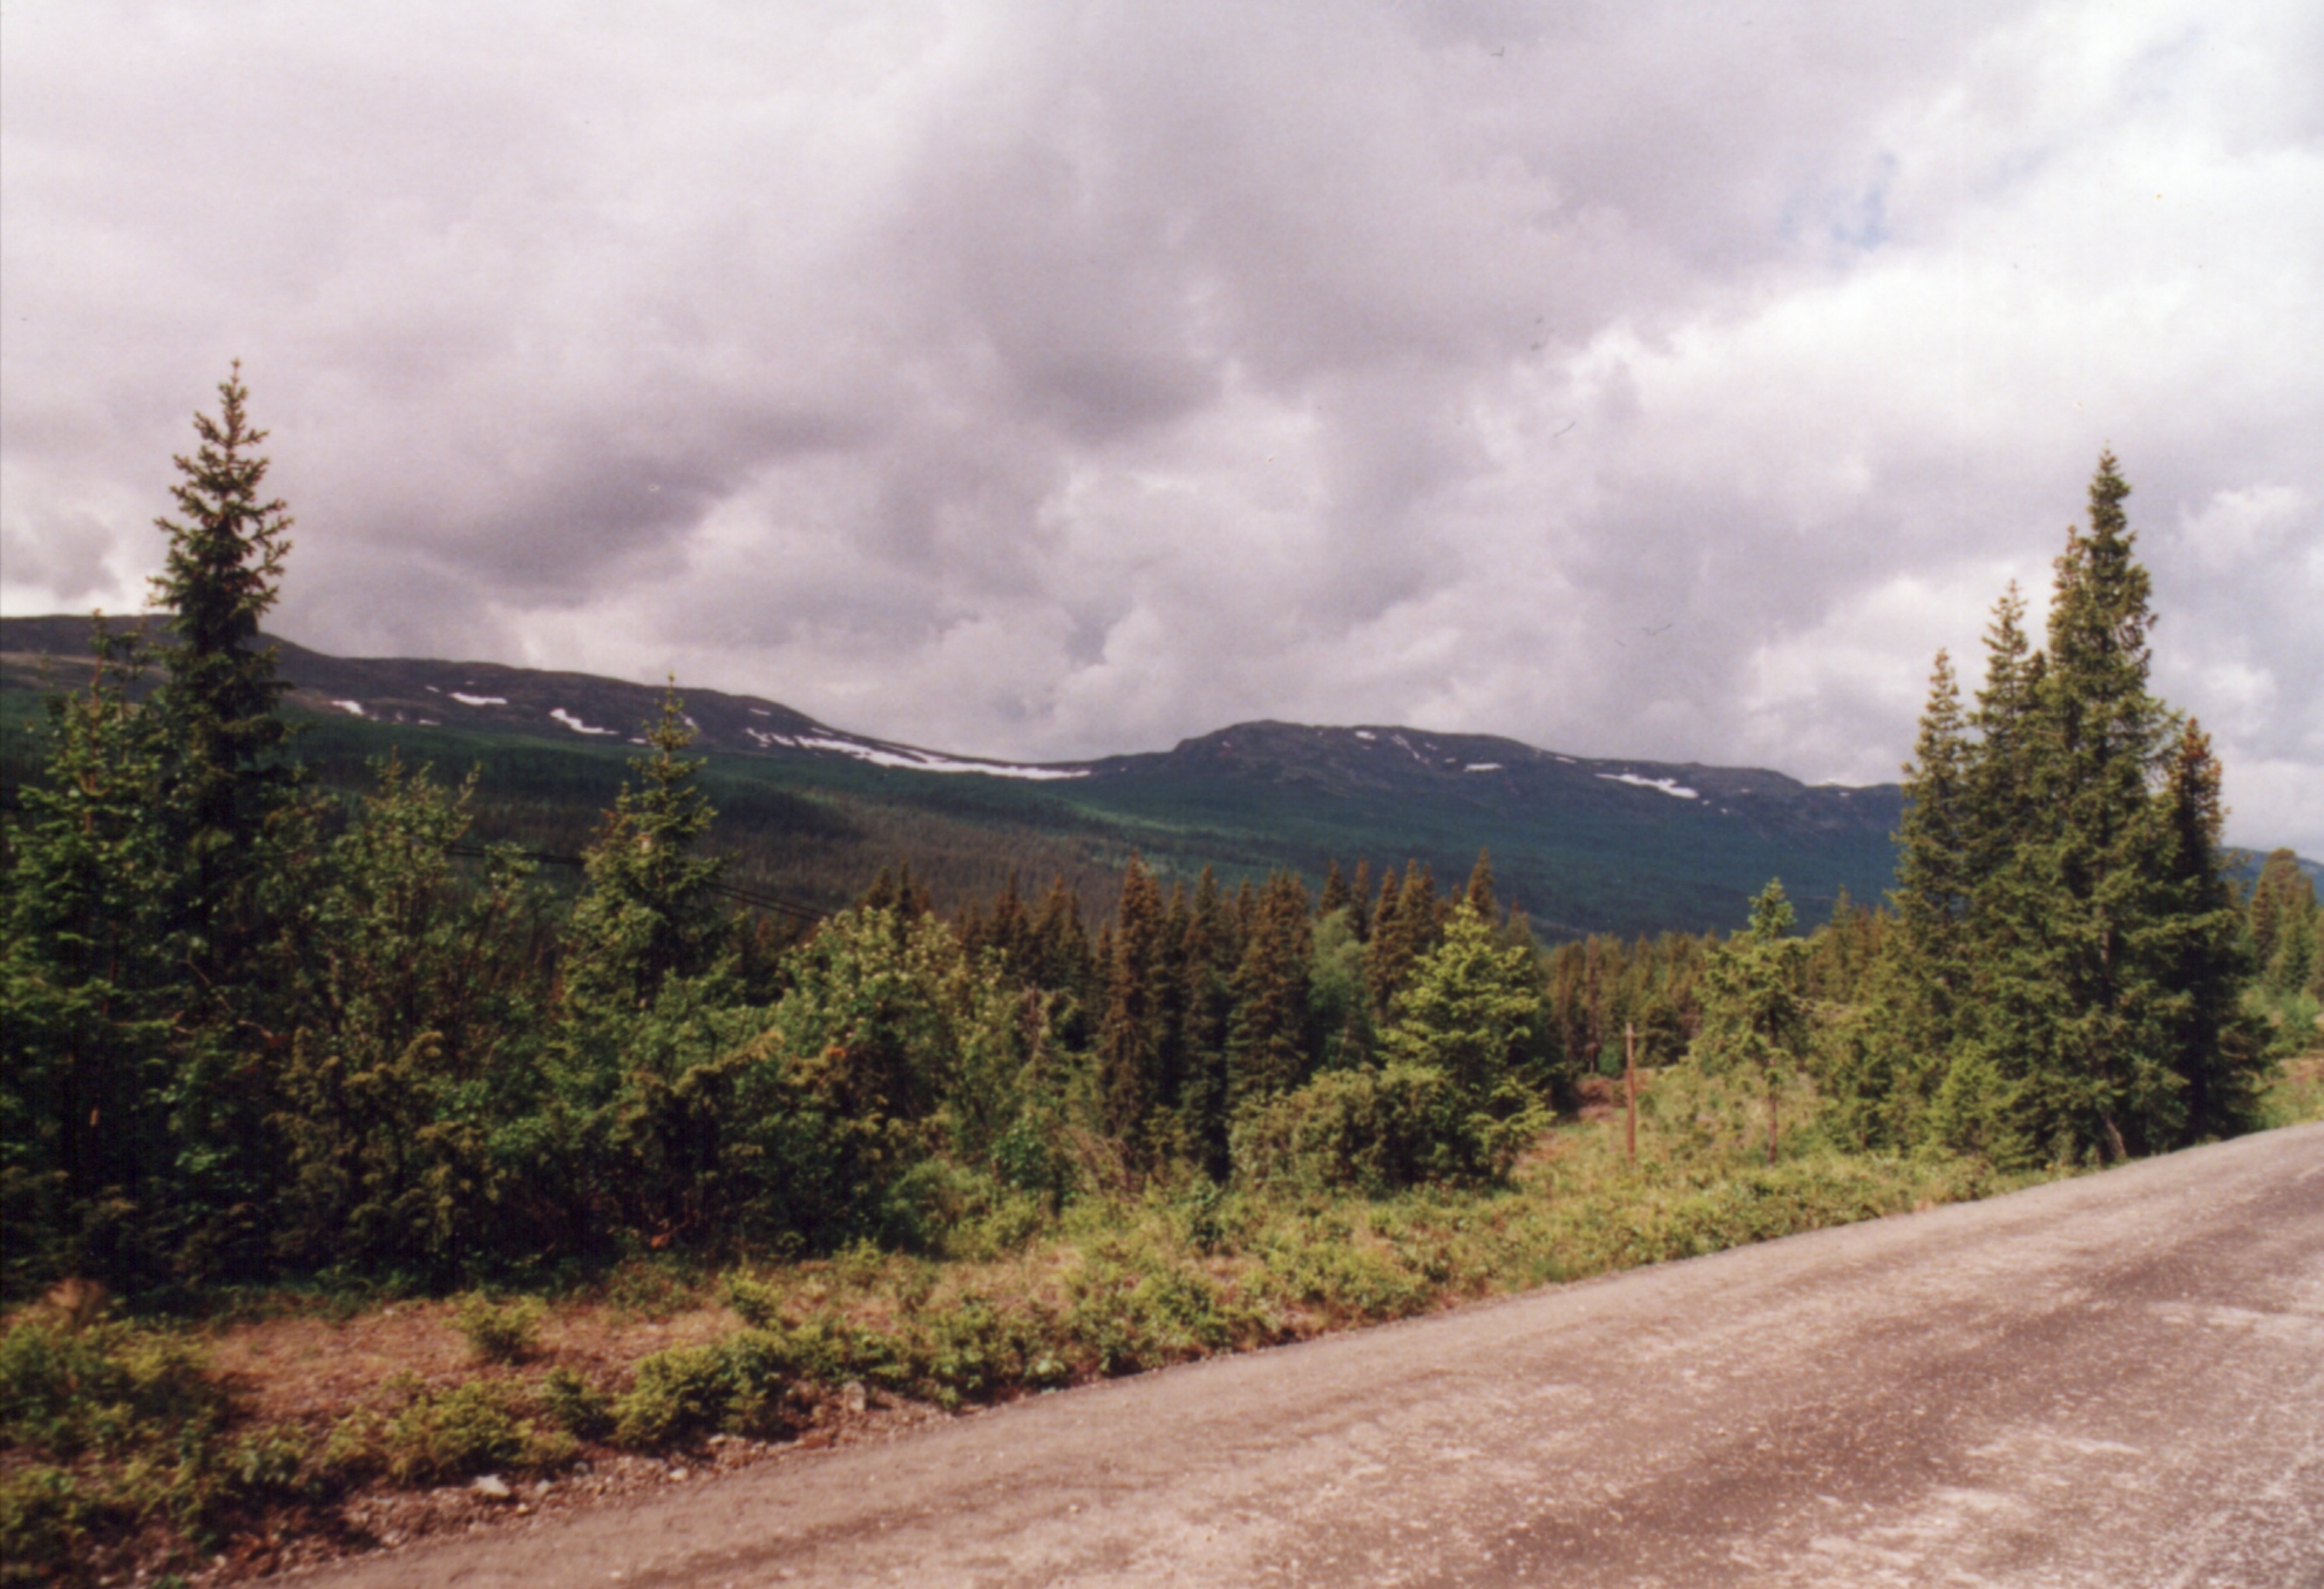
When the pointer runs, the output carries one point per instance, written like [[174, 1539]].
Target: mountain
[[814, 811]]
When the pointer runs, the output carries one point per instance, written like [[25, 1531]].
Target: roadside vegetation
[[634, 1171]]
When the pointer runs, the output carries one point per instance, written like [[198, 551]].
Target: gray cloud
[[1661, 380]]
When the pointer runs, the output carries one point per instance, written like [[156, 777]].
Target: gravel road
[[2113, 1380]]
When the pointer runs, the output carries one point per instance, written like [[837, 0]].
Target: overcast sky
[[1040, 381]]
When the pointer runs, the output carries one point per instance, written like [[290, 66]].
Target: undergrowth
[[115, 1438]]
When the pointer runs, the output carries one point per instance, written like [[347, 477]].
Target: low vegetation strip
[[221, 1448]]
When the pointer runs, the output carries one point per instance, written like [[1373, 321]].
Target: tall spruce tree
[[233, 841], [1130, 1038], [224, 786], [1268, 1052], [2215, 1047], [2107, 1082]]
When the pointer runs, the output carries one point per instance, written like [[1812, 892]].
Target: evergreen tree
[[2283, 913], [650, 911], [1268, 1051], [1480, 894], [1209, 956], [2107, 1082], [91, 982], [1753, 1012], [1130, 1038], [1469, 1009], [235, 834], [2215, 1049], [224, 786], [1335, 895], [1893, 1057]]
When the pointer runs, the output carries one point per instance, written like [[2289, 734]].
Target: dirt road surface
[[2113, 1380]]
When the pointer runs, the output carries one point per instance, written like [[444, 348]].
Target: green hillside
[[812, 813]]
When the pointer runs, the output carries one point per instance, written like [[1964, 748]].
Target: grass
[[157, 1444]]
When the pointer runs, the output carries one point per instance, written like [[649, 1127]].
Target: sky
[[1043, 380]]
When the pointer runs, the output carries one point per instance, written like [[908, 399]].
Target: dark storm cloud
[[1658, 380]]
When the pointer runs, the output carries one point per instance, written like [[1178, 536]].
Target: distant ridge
[[1581, 844]]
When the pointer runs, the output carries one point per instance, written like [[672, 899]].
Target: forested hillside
[[813, 812]]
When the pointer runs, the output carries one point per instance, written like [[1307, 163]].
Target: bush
[[44, 1517], [739, 1384], [476, 1427], [111, 1386], [1379, 1131], [578, 1406], [500, 1332]]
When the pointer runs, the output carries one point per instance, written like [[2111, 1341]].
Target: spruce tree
[[1209, 956], [1268, 1053], [2107, 1082], [650, 911], [1754, 1011], [91, 986], [2215, 1049], [1896, 1054], [225, 785], [1130, 1037], [227, 802]]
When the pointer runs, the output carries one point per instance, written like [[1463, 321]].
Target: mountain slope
[[1581, 845]]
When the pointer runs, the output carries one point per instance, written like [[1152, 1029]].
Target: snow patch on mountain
[[560, 715], [483, 700], [1669, 786], [928, 762]]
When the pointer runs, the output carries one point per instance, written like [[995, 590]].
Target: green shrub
[[479, 1426], [109, 1387], [44, 1517], [1133, 1308], [756, 1303], [577, 1406], [739, 1384], [1376, 1130], [500, 1332]]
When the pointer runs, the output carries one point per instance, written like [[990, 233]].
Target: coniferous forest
[[259, 1032]]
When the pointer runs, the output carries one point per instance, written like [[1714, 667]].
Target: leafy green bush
[[45, 1515], [578, 1406], [1379, 1131], [739, 1384], [478, 1426], [500, 1332], [109, 1387]]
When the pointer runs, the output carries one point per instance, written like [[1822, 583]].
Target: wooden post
[[1630, 1082]]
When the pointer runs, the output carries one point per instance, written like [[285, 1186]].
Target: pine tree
[[1130, 1038], [1753, 1011], [91, 983], [1469, 1009], [1896, 1055], [1335, 895], [1268, 1051], [2215, 1049], [234, 835], [1209, 956], [2107, 1082], [650, 911], [225, 785], [1480, 894]]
